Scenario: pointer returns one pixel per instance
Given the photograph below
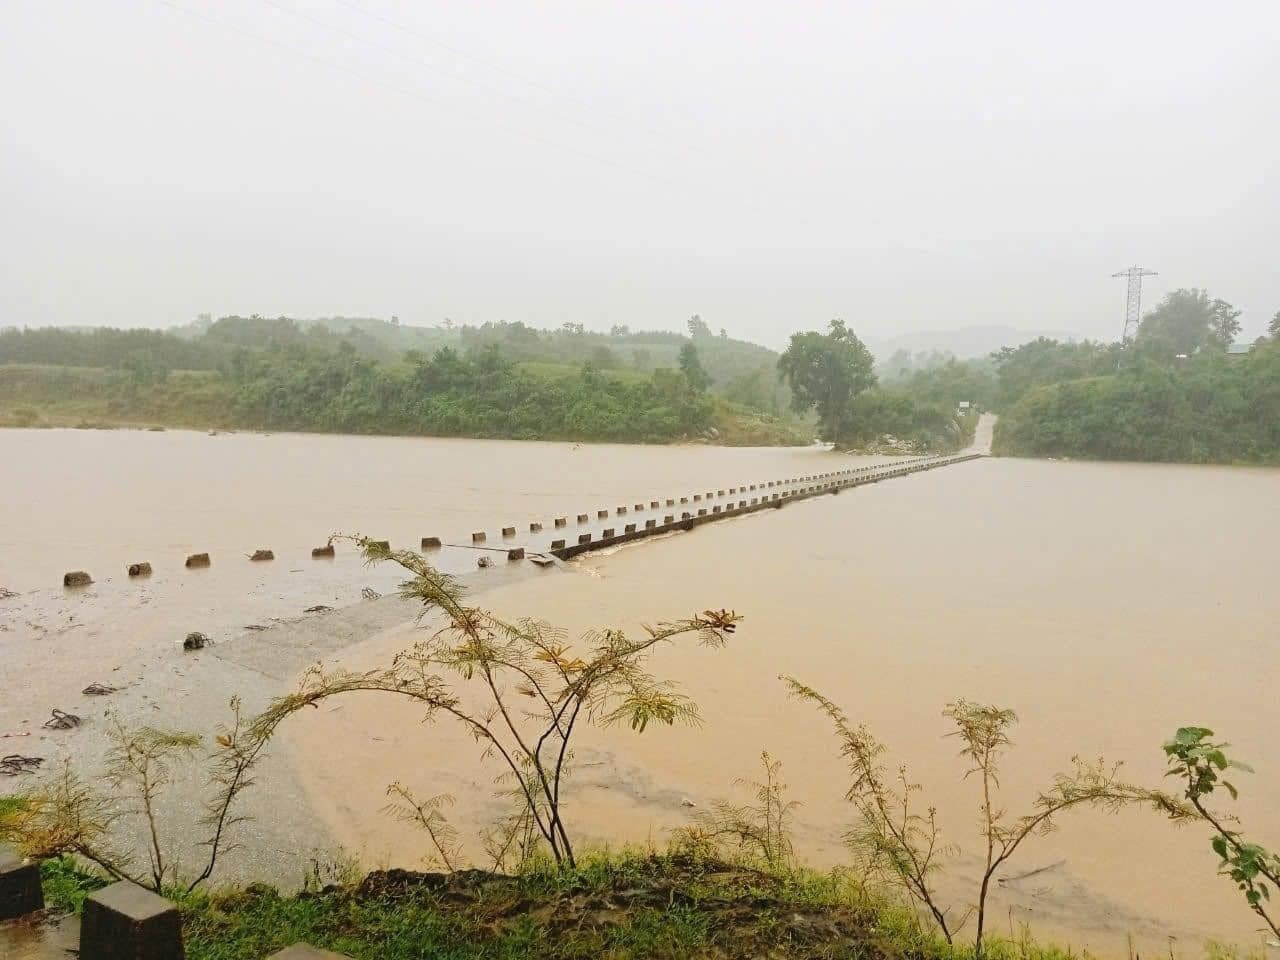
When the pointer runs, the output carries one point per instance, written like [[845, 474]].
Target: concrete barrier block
[[741, 504], [584, 538], [560, 521], [20, 890], [654, 504], [684, 500], [198, 560], [304, 951], [143, 569], [629, 528], [696, 498], [430, 543], [669, 518], [732, 491], [702, 511], [686, 515], [557, 544], [671, 501], [650, 524], [478, 537], [719, 493], [516, 553], [583, 518], [638, 507], [126, 922], [606, 533], [76, 578], [508, 531], [535, 527], [716, 508], [328, 551], [621, 510], [602, 514], [259, 556]]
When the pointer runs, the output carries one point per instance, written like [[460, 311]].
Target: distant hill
[[965, 343]]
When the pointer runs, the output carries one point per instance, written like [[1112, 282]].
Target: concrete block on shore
[[508, 531], [606, 533], [328, 551], [650, 524], [304, 951], [716, 508], [621, 511], [669, 518], [516, 553], [638, 507], [20, 890], [430, 543], [126, 922], [557, 544], [671, 501], [561, 521], [686, 515], [584, 538], [583, 518], [142, 569], [684, 499], [478, 537], [702, 511], [535, 527], [76, 578], [696, 498], [198, 560], [602, 514], [629, 528], [259, 556], [719, 493], [654, 504]]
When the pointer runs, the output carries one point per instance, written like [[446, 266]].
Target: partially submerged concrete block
[[606, 533], [20, 891], [561, 521], [583, 518], [621, 511], [584, 538], [638, 507], [508, 531], [650, 524], [629, 528], [535, 527], [671, 501], [76, 578], [557, 544], [303, 951], [669, 519], [142, 569], [198, 560], [516, 554], [430, 543], [328, 551], [696, 498], [260, 555], [126, 922], [602, 514], [702, 512], [653, 504], [478, 537]]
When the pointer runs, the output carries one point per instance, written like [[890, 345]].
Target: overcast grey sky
[[904, 165]]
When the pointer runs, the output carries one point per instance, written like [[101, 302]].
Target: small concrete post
[[328, 551], [584, 538], [602, 514], [20, 890], [696, 498], [198, 560], [629, 528], [702, 511], [684, 499], [654, 504], [535, 527], [76, 578], [638, 507], [621, 511], [606, 533], [669, 519], [686, 515], [716, 508], [478, 537], [430, 543], [142, 569], [719, 493], [671, 501], [508, 531], [126, 922], [561, 521], [557, 544], [650, 524], [583, 518], [516, 553]]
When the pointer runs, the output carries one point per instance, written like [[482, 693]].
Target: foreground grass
[[618, 907]]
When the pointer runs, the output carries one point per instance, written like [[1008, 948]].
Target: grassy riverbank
[[633, 905], [38, 395]]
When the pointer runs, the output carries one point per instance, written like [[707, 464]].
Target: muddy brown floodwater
[[1107, 604]]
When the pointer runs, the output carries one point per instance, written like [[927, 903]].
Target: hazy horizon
[[913, 167]]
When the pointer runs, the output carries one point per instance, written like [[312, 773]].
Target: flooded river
[[1107, 604]]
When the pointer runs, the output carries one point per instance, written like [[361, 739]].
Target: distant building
[[1239, 349]]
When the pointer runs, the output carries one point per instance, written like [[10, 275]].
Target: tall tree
[[1273, 328], [826, 371], [691, 366], [1186, 321]]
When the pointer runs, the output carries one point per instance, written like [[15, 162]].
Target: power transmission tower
[[1133, 302]]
